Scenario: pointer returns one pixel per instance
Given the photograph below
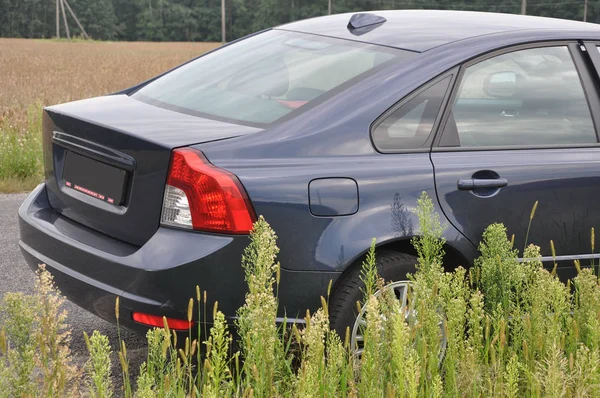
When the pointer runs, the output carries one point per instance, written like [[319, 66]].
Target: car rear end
[[96, 220]]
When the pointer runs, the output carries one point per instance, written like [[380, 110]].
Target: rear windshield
[[260, 80]]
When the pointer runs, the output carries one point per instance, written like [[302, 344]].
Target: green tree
[[126, 13], [97, 17]]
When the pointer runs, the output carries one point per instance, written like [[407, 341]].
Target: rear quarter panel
[[388, 186]]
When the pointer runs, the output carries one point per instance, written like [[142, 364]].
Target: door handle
[[469, 184]]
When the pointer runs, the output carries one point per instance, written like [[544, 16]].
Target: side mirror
[[501, 84]]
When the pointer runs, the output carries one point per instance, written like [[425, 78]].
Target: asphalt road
[[16, 276]]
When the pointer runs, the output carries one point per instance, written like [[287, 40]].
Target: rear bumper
[[159, 278]]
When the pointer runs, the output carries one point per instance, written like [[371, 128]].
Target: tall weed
[[265, 371], [35, 358]]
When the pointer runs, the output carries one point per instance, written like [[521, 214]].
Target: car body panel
[[565, 182], [157, 125]]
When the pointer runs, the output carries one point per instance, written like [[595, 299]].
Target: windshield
[[261, 79]]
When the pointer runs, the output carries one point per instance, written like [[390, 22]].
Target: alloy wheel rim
[[400, 290]]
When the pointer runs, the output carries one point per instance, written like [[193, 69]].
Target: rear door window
[[261, 79], [530, 97]]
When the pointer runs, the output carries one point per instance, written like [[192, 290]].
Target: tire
[[391, 266]]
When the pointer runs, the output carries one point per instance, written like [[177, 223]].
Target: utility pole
[[64, 14], [585, 10], [523, 7], [329, 7], [57, 21], [76, 20], [223, 38]]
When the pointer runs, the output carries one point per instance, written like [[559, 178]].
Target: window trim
[[590, 89], [452, 74], [584, 77], [591, 47], [589, 56]]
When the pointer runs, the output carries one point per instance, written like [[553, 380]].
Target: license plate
[[93, 178]]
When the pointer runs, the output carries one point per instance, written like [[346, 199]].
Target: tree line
[[200, 20]]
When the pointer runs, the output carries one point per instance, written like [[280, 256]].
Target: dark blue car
[[330, 128]]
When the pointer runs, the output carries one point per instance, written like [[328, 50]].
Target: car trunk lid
[[106, 160]]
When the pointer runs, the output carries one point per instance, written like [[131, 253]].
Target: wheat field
[[34, 73]]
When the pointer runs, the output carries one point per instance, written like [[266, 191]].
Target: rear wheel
[[391, 266], [400, 291]]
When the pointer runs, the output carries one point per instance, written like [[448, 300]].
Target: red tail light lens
[[157, 321], [204, 197]]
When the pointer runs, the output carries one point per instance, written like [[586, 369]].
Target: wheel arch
[[453, 258]]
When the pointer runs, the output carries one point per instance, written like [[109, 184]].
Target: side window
[[522, 98], [409, 126]]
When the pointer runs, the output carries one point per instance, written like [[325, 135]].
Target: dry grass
[[16, 185], [34, 73]]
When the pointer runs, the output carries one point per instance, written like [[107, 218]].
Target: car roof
[[422, 30]]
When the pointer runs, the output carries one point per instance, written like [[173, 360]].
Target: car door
[[519, 129]]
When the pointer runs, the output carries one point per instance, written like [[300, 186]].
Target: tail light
[[204, 197]]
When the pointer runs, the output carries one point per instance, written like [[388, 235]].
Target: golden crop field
[[34, 73], [50, 72]]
